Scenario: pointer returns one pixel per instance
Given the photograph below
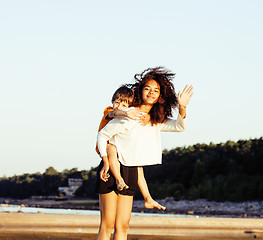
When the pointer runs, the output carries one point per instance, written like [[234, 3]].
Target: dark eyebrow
[[154, 88]]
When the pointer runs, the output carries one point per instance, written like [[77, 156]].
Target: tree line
[[226, 171]]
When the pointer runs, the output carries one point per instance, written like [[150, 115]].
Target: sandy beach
[[201, 221], [14, 226]]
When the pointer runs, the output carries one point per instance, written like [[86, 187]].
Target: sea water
[[17, 208]]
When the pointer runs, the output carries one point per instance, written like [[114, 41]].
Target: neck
[[145, 108]]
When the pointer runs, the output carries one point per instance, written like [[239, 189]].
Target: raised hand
[[184, 97]]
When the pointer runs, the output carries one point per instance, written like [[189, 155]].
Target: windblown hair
[[167, 101], [124, 93]]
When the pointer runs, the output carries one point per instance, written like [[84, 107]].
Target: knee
[[111, 148], [122, 227], [107, 228]]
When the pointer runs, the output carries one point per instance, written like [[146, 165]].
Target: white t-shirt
[[137, 145]]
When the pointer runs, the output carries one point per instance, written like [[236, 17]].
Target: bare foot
[[153, 204], [121, 185]]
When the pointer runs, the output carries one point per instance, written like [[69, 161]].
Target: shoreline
[[200, 207]]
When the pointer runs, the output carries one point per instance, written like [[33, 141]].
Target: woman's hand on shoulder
[[145, 119], [135, 113]]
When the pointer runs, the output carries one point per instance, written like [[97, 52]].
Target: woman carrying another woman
[[138, 145]]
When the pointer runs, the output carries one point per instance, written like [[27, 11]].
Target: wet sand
[[38, 226]]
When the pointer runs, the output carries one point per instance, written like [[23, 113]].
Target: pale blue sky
[[61, 61]]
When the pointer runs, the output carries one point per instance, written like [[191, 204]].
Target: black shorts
[[129, 175]]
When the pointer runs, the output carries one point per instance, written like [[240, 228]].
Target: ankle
[[148, 199]]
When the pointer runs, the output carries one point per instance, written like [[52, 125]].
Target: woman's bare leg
[[124, 208], [115, 167], [108, 211]]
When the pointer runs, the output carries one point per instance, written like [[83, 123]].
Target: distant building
[[73, 185]]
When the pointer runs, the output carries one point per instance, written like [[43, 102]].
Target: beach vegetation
[[230, 171]]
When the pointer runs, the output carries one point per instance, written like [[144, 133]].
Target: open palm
[[185, 96]]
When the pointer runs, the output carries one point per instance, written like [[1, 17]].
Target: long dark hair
[[167, 101]]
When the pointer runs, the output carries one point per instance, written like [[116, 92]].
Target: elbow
[[101, 136], [98, 137], [181, 128]]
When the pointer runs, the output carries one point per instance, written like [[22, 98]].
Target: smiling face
[[120, 105], [150, 92]]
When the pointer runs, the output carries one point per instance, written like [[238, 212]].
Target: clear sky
[[61, 61]]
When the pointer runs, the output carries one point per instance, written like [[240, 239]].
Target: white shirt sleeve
[[171, 125], [115, 126]]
